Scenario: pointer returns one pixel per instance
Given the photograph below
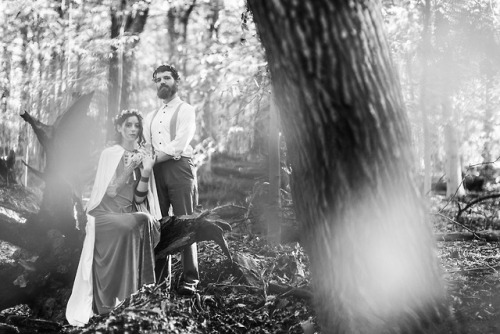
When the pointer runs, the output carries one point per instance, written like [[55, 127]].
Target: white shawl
[[79, 308]]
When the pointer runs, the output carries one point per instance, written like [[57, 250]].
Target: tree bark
[[371, 248]]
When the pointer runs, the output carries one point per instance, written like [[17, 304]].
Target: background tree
[[128, 19]]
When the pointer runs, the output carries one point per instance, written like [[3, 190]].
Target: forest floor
[[266, 288], [471, 268]]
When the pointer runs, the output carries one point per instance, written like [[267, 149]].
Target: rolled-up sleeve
[[146, 127], [185, 129]]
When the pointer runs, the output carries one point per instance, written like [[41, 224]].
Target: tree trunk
[[424, 101], [371, 248], [272, 215], [4, 98], [125, 22], [133, 27], [454, 184], [22, 143], [213, 19], [113, 72], [488, 121]]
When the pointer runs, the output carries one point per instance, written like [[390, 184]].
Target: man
[[170, 129]]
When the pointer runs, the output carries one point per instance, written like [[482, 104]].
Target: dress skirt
[[123, 251]]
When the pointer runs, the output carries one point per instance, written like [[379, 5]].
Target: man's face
[[166, 85]]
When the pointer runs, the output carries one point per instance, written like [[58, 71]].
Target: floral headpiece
[[127, 113]]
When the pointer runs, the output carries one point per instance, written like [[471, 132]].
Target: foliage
[[461, 59], [53, 51]]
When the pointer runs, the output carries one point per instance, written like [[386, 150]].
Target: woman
[[118, 252]]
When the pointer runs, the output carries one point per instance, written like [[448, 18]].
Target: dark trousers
[[177, 189]]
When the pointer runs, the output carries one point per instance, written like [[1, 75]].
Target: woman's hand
[[148, 162], [148, 159], [136, 159]]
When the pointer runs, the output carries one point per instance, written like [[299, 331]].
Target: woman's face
[[130, 129]]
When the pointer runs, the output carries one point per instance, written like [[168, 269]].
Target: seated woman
[[122, 229]]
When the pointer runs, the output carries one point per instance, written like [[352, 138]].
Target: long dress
[[123, 250], [123, 266]]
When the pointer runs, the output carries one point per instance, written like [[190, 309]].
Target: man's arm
[[162, 156], [186, 127], [146, 130]]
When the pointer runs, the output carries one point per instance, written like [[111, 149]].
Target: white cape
[[79, 308]]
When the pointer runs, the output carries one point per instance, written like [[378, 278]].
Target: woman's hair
[[121, 117]]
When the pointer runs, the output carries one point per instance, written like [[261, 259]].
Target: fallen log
[[30, 325], [246, 172], [53, 259], [180, 232], [468, 236], [48, 237]]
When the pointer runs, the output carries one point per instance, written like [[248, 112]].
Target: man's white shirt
[[159, 127]]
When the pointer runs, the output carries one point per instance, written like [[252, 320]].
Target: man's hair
[[165, 68]]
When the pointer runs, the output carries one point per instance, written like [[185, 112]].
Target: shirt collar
[[176, 100]]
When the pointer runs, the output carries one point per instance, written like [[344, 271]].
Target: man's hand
[[162, 156]]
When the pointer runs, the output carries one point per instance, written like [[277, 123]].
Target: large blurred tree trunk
[[371, 248]]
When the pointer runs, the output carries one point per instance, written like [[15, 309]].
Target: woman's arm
[[141, 191]]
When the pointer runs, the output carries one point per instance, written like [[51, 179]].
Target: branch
[[35, 171], [471, 203], [180, 232], [467, 236], [43, 132]]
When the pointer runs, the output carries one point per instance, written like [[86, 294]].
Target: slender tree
[[273, 215], [127, 23], [425, 50]]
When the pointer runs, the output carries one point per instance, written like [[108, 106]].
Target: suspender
[[173, 122], [173, 125]]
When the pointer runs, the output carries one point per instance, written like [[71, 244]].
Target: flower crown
[[128, 113]]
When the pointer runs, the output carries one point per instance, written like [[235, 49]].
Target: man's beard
[[166, 92]]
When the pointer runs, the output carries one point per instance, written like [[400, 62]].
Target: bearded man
[[170, 130]]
